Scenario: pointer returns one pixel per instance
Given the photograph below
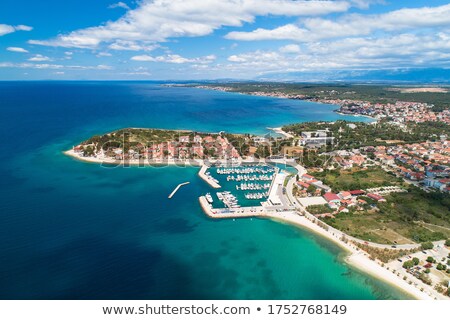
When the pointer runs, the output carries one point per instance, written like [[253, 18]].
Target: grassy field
[[342, 180], [413, 216]]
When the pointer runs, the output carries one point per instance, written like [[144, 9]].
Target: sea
[[76, 230]]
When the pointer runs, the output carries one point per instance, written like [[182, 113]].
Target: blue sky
[[210, 39]]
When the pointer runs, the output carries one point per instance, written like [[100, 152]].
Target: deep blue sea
[[75, 230]]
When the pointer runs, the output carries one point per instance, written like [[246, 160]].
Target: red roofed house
[[332, 199], [376, 197], [302, 184], [357, 192], [307, 177], [345, 195]]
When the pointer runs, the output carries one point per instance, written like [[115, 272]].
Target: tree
[[431, 260], [447, 242], [427, 246], [408, 264], [416, 261], [311, 189]]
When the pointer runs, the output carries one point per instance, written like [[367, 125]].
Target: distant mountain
[[392, 75]]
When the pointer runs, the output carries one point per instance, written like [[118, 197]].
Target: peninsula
[[379, 190]]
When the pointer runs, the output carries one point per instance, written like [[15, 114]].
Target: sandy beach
[[356, 257], [136, 162], [282, 132]]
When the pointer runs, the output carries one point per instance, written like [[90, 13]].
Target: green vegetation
[[133, 138], [396, 220], [354, 179], [371, 93], [240, 142], [447, 242], [379, 134], [384, 255], [408, 264], [319, 209], [430, 260]]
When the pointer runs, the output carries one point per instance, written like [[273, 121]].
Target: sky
[[217, 39]]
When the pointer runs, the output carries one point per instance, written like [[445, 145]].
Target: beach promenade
[[357, 257]]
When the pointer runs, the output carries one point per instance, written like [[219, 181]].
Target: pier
[[176, 189], [206, 178]]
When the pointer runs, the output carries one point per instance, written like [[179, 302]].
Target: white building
[[316, 138]]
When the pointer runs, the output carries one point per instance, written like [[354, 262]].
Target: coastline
[[289, 98], [355, 257], [137, 162], [279, 130], [356, 115]]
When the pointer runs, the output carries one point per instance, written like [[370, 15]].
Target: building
[[376, 197], [317, 138], [333, 200], [356, 193], [184, 139]]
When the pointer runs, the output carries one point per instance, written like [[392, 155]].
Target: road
[[292, 201]]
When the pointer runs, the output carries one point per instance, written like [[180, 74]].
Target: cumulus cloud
[[39, 57], [314, 29], [52, 66], [290, 48], [17, 49], [403, 50], [5, 29], [174, 58], [132, 46], [119, 4], [159, 20], [103, 54]]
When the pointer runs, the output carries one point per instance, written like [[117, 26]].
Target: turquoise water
[[75, 230]]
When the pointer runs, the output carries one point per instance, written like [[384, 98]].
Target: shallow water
[[75, 230]]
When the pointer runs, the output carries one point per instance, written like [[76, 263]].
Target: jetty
[[247, 212], [176, 189], [208, 179]]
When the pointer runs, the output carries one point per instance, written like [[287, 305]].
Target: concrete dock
[[176, 189], [202, 174]]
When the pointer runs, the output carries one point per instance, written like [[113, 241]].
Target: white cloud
[[403, 50], [143, 73], [159, 20], [290, 48], [22, 27], [52, 66], [5, 29], [286, 32], [132, 46], [17, 49], [364, 4], [68, 53], [119, 4], [103, 54], [174, 58], [39, 57], [314, 29]]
